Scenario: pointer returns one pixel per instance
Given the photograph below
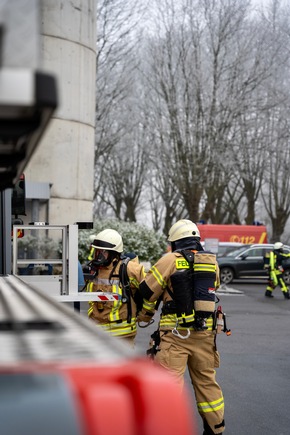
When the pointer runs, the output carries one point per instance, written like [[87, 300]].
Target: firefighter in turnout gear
[[275, 269], [112, 273], [185, 280]]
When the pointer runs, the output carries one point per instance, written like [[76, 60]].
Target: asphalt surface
[[255, 360]]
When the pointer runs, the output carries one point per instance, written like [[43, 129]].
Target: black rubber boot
[[286, 295], [269, 294], [207, 429]]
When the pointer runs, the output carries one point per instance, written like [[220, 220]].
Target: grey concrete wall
[[65, 155]]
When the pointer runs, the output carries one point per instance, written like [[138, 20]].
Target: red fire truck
[[60, 374], [234, 233]]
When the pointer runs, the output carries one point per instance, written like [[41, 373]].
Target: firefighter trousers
[[275, 279], [197, 352]]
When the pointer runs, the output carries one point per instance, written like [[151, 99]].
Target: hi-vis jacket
[[157, 284], [112, 316], [276, 261]]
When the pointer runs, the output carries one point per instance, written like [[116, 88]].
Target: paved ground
[[255, 360]]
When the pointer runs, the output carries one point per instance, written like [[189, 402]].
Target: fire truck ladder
[[34, 327]]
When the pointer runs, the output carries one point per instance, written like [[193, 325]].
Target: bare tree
[[117, 37], [165, 200], [188, 123], [196, 58], [124, 175], [276, 186], [276, 191]]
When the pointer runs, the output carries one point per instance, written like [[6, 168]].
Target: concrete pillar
[[65, 155]]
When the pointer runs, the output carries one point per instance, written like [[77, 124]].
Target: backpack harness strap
[[126, 289]]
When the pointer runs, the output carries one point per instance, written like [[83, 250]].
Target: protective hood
[[187, 243]]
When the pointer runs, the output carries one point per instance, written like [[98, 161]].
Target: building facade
[[60, 174]]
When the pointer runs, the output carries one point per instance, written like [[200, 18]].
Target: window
[[256, 252]]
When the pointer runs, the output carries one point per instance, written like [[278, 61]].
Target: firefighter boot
[[269, 294], [286, 295], [208, 430]]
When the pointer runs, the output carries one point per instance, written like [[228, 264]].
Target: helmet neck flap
[[186, 243]]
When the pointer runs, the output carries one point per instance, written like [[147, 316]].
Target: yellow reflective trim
[[168, 321], [91, 254], [211, 406], [149, 306], [157, 275], [209, 322], [187, 318], [90, 287], [117, 329], [134, 282], [181, 263], [204, 267], [115, 314]]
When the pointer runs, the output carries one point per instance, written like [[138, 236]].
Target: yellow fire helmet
[[108, 239], [182, 229]]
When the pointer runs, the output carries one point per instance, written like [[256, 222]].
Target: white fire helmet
[[278, 245], [109, 240], [182, 229]]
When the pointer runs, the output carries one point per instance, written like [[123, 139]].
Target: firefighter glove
[[145, 316]]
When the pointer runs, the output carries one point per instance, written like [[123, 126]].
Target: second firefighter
[[119, 276]]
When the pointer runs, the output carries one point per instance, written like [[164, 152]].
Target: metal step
[[36, 328]]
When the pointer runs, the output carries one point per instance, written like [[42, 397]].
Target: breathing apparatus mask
[[102, 258], [107, 245]]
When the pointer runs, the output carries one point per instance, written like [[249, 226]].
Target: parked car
[[248, 262], [223, 247]]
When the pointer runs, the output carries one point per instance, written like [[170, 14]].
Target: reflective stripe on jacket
[[119, 329], [168, 322]]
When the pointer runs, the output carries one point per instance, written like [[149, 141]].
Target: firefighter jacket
[[158, 286], [118, 317], [276, 261]]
